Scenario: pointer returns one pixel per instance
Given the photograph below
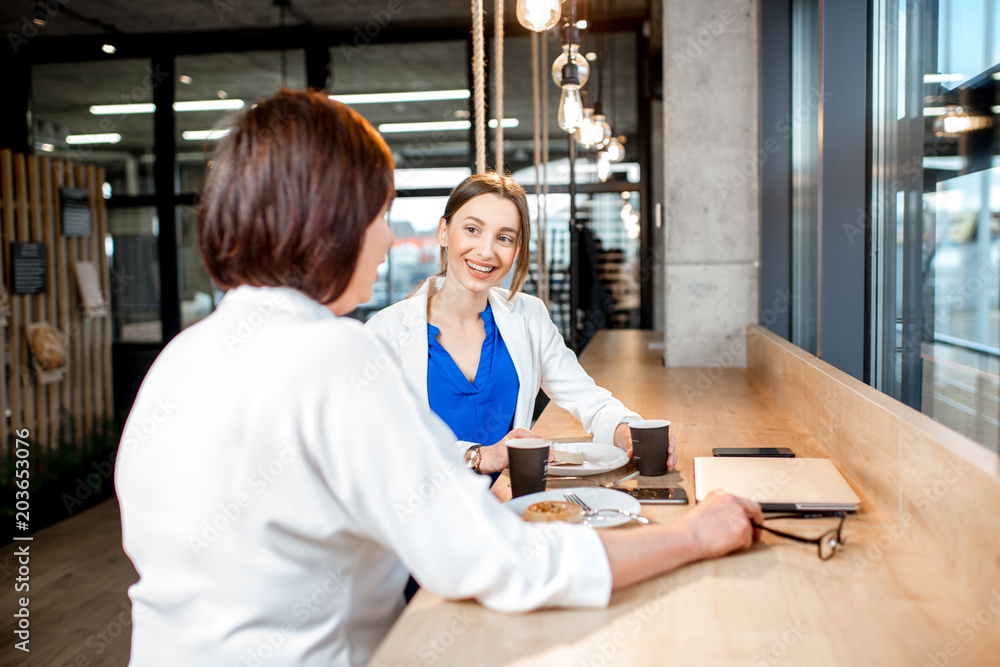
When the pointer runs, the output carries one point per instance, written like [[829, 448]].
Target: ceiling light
[[538, 15], [109, 138], [108, 48], [47, 147], [203, 135], [114, 109], [591, 56], [389, 128], [417, 96], [438, 126], [184, 78], [506, 122], [197, 105], [208, 105], [221, 94], [934, 111], [582, 24]]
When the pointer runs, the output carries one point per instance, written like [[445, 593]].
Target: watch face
[[471, 456]]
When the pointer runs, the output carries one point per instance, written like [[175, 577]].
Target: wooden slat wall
[[30, 211]]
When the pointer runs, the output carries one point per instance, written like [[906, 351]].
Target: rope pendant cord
[[478, 85], [543, 219], [498, 78], [536, 117]]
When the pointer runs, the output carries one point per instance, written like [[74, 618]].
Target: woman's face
[[482, 241], [378, 239]]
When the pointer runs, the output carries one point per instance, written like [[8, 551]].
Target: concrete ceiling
[[94, 17]]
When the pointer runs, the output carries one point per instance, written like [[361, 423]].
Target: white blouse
[[278, 479]]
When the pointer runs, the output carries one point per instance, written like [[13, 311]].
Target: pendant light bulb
[[570, 105], [615, 151], [571, 52], [585, 133], [602, 131], [570, 108], [603, 166], [538, 15]]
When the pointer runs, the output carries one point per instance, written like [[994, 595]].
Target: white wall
[[712, 203]]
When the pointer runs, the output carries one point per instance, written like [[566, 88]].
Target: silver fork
[[589, 511]]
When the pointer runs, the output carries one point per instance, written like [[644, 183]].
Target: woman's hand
[[495, 456], [623, 441], [723, 523]]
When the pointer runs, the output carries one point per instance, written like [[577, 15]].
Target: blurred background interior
[[141, 88]]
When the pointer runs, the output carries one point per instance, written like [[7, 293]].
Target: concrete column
[[711, 161]]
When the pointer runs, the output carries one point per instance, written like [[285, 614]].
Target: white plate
[[597, 498], [597, 458]]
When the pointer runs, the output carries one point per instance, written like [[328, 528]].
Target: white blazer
[[275, 492], [536, 347]]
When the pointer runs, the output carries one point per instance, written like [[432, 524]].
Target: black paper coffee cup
[[528, 460], [650, 439]]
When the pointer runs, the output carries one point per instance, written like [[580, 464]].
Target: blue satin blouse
[[482, 410]]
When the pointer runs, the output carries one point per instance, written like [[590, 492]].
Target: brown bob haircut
[[289, 194], [505, 187]]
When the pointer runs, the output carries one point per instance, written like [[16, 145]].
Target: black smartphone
[[766, 452], [671, 496]]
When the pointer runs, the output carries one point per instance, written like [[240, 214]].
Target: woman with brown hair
[[477, 353], [269, 502]]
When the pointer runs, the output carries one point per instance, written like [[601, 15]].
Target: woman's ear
[[442, 233]]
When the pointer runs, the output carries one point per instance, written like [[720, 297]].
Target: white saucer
[[597, 458], [596, 497]]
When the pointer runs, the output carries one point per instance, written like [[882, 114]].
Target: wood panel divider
[[67, 411]]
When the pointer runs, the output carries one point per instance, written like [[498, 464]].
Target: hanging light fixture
[[603, 166], [615, 149], [585, 133], [570, 106], [600, 131], [571, 53], [538, 15]]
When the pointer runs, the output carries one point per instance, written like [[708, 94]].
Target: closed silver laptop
[[778, 484]]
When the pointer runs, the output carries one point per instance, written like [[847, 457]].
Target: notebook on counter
[[778, 484]]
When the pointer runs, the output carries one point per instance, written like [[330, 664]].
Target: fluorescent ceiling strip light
[[113, 109], [202, 135], [418, 96], [439, 126], [198, 105], [110, 138], [934, 111], [208, 105]]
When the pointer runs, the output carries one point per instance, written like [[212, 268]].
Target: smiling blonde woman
[[479, 353]]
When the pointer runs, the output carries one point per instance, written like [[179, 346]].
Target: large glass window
[[209, 88], [98, 113], [804, 129], [134, 262], [936, 210], [416, 95]]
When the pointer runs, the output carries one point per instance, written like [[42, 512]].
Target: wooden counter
[[887, 599]]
